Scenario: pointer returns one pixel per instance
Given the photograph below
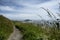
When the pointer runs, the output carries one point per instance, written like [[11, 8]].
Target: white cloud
[[21, 16], [36, 7], [6, 8], [30, 10]]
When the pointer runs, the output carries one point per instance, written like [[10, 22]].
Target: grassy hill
[[30, 31], [6, 27], [36, 32]]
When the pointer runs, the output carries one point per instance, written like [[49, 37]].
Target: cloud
[[23, 9], [30, 1], [22, 16], [6, 8]]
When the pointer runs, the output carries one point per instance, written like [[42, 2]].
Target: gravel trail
[[16, 35]]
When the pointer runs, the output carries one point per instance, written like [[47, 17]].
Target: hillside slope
[[6, 27], [33, 31]]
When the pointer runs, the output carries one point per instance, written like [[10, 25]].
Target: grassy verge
[[6, 28], [32, 32]]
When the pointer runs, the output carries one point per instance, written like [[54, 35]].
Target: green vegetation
[[32, 32], [6, 28]]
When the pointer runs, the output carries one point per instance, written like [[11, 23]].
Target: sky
[[28, 9]]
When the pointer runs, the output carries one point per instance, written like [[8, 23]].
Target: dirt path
[[16, 35]]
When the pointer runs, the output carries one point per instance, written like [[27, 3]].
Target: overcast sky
[[28, 9]]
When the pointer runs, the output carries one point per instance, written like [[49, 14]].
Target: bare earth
[[16, 35]]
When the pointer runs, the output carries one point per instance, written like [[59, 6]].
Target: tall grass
[[6, 28], [32, 32], [47, 12], [51, 15]]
